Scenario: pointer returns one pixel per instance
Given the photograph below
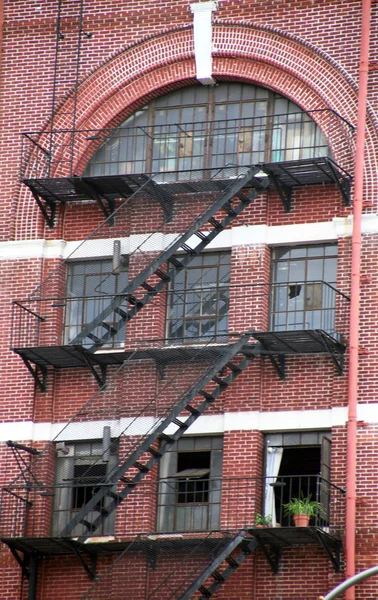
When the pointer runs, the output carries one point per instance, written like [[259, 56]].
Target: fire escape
[[192, 373]]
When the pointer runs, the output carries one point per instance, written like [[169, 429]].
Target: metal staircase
[[157, 275], [139, 462], [221, 567]]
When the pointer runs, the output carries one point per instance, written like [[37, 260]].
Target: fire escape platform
[[105, 189], [272, 540], [66, 546], [307, 341], [308, 171], [271, 343]]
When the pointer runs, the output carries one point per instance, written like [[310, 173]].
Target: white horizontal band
[[250, 235], [290, 420]]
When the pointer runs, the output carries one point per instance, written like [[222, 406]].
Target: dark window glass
[[203, 127], [198, 300], [91, 286], [85, 478]]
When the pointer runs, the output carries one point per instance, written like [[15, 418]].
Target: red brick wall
[[308, 53]]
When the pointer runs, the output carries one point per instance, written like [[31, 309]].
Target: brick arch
[[244, 52]]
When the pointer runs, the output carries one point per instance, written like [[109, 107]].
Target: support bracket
[[23, 562], [48, 209], [86, 187], [272, 555], [165, 198], [39, 374], [108, 208], [284, 191], [91, 570], [99, 374], [333, 551], [337, 357], [342, 182], [279, 365]]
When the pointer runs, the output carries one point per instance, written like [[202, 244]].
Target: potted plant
[[303, 509], [263, 521]]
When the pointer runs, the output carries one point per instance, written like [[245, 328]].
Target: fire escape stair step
[[154, 452], [233, 367], [141, 467], [220, 574], [90, 526], [175, 262], [219, 381], [215, 223], [109, 327], [205, 591], [149, 288], [180, 424], [93, 337], [231, 561], [207, 396], [131, 299], [167, 438], [188, 249], [121, 312], [162, 275], [202, 236], [192, 410]]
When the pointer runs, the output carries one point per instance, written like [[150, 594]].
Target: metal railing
[[187, 146], [221, 504], [186, 316]]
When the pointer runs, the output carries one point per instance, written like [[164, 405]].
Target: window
[[190, 485], [208, 127], [80, 469], [297, 464], [198, 299], [91, 286], [304, 296]]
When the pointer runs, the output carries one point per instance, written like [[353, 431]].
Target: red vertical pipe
[[355, 300]]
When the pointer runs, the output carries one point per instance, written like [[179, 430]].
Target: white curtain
[[273, 462]]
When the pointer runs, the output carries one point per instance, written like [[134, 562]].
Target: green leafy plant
[[303, 506], [263, 521]]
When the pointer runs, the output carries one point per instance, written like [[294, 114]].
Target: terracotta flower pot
[[301, 520]]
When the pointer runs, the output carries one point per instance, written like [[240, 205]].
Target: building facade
[[176, 243]]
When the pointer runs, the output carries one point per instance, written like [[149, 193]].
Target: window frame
[[92, 304], [314, 300], [196, 515], [67, 487], [221, 290], [164, 121]]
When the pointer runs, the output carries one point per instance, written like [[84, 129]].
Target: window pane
[[97, 285], [203, 311], [299, 305]]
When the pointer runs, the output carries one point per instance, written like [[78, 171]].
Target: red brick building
[[176, 238]]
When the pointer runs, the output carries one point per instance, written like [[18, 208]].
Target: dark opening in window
[[85, 478], [193, 473]]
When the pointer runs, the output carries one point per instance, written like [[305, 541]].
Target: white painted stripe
[[295, 420], [237, 236]]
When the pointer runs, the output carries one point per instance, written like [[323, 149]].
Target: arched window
[[209, 127]]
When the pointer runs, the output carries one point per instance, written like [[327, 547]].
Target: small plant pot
[[301, 520]]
